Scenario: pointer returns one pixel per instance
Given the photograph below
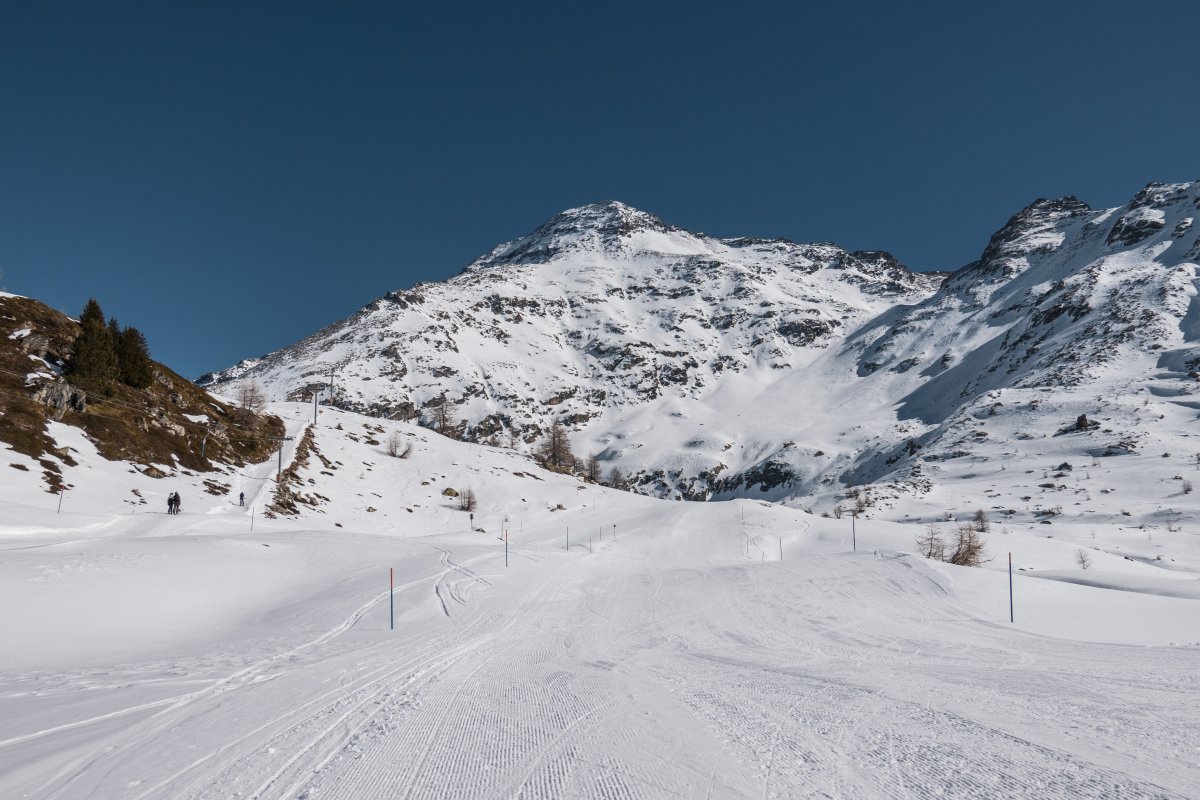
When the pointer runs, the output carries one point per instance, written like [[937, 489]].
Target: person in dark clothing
[[171, 503], [177, 502], [241, 498]]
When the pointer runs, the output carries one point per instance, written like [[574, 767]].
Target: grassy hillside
[[171, 424]]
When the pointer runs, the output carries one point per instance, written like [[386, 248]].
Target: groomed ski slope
[[151, 656]]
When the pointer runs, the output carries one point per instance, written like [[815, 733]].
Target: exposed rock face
[[708, 367], [61, 396]]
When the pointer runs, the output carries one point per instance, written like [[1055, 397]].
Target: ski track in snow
[[579, 685], [682, 660]]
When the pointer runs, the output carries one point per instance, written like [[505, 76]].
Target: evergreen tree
[[555, 450], [114, 333], [133, 355], [93, 361]]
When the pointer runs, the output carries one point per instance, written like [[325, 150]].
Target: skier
[[241, 498], [177, 502], [171, 503]]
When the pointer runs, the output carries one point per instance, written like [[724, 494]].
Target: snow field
[[188, 657]]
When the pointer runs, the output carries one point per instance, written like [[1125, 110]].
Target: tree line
[[105, 354]]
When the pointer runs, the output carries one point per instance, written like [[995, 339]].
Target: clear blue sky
[[229, 177]]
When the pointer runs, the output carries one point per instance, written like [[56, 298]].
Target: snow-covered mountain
[[382, 611], [709, 367]]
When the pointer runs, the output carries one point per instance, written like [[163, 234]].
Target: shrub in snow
[[397, 448]]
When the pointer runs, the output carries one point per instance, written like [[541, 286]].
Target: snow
[[669, 652], [641, 336], [770, 643], [19, 334], [198, 418]]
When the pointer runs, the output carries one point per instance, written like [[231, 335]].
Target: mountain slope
[[600, 313], [707, 367], [170, 426]]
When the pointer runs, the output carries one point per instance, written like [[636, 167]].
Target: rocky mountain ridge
[[706, 367]]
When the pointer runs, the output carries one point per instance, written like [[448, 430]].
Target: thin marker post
[[506, 548], [61, 491], [854, 532], [781, 548], [391, 598], [1011, 616]]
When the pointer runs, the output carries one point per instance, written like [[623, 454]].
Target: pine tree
[[114, 335], [133, 356], [93, 361], [555, 450]]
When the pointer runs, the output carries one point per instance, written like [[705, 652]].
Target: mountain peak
[[1033, 229], [1147, 214], [609, 215], [599, 226]]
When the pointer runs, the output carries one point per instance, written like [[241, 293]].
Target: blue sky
[[229, 177]]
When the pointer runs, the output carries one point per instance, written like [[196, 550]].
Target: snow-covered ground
[[726, 649]]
